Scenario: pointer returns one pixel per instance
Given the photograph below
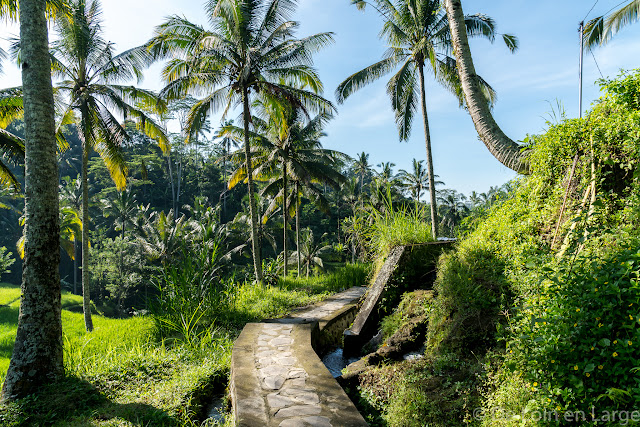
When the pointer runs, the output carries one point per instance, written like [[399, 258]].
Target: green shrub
[[578, 340]]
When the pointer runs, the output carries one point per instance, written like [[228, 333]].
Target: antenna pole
[[580, 73]]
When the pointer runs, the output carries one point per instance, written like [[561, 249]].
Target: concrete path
[[277, 379]]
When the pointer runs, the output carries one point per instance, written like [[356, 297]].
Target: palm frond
[[364, 77]]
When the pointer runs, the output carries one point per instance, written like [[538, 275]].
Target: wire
[[594, 60], [590, 10], [623, 1]]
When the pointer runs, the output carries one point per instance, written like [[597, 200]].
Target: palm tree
[[160, 235], [362, 167], [418, 37], [310, 252], [37, 352], [453, 208], [11, 145], [88, 68], [504, 149], [71, 196], [601, 29], [124, 209], [250, 49], [287, 150], [416, 180]]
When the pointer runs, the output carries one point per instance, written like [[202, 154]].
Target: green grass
[[124, 374]]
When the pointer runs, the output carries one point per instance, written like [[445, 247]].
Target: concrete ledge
[[405, 269]]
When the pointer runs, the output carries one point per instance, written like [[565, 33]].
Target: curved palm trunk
[[284, 216], [253, 211], [298, 225], [504, 149], [37, 352], [86, 293], [427, 142]]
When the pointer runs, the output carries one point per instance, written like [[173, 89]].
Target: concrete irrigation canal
[[277, 378]]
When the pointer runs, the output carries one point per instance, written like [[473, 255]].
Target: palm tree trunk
[[298, 225], [75, 265], [504, 149], [427, 142], [285, 214], [361, 185], [37, 351], [86, 293], [224, 191], [179, 179], [173, 188], [253, 210]]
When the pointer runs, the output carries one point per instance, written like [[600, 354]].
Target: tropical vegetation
[[132, 258]]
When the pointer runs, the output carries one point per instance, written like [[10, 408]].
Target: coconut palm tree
[[503, 148], [11, 145], [89, 71], [251, 49], [305, 164], [310, 251], [416, 180], [453, 208], [418, 37], [287, 152], [71, 195], [362, 167], [601, 29], [37, 356]]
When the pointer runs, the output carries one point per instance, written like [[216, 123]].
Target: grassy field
[[124, 374]]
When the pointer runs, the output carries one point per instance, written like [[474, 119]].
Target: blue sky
[[543, 70]]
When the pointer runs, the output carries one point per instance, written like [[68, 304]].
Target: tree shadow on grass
[[74, 401]]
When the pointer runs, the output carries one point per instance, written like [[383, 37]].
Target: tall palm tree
[[503, 148], [305, 164], [37, 352], [123, 207], [418, 37], [601, 29], [89, 71], [310, 251], [362, 167], [453, 208], [11, 146], [287, 152], [71, 195], [416, 180], [250, 49]]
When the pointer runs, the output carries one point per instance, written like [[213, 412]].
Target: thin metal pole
[[580, 74]]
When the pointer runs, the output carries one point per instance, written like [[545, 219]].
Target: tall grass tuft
[[378, 231]]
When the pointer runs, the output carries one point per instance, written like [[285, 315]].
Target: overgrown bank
[[535, 315]]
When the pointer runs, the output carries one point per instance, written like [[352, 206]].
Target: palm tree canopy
[[90, 73], [601, 29], [417, 34], [251, 45]]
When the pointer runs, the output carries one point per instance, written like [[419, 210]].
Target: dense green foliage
[[536, 310]]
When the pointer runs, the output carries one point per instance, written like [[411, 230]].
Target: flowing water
[[216, 410], [336, 362]]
